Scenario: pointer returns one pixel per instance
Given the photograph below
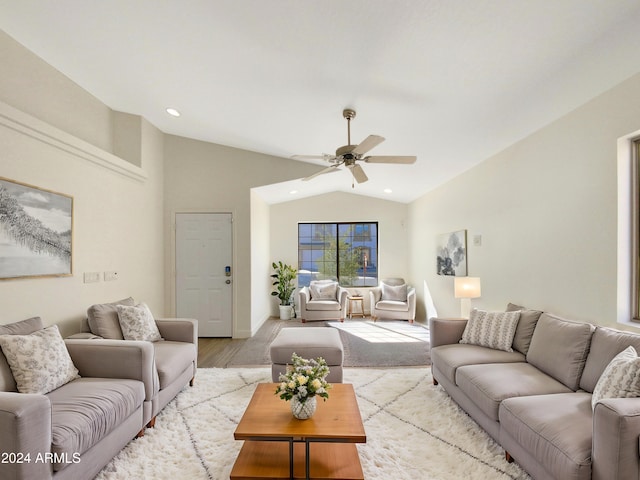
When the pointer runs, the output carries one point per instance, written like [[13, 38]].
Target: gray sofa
[[175, 356], [536, 400], [74, 430]]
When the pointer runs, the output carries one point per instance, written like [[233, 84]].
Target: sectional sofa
[[537, 400]]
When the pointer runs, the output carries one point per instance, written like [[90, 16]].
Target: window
[[344, 251]]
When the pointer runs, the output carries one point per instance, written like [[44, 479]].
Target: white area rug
[[414, 430]]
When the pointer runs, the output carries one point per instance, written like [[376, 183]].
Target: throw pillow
[[103, 319], [621, 378], [526, 327], [323, 291], [491, 329], [137, 323], [39, 361], [395, 293], [23, 327]]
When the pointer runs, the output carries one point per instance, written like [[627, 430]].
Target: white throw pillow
[[137, 323], [620, 379], [491, 329], [323, 291], [394, 293], [40, 361]]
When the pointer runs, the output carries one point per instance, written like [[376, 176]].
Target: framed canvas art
[[36, 231], [452, 254]]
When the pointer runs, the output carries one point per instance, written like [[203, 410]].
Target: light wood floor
[[217, 352]]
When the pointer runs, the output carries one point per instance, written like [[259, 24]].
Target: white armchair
[[323, 300], [393, 299]]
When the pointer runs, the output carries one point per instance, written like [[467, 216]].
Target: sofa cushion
[[103, 319], [559, 348], [392, 305], [555, 429], [137, 323], [39, 361], [394, 293], [450, 357], [621, 378], [84, 411], [23, 327], [606, 343], [323, 290], [491, 329], [525, 328], [171, 360], [488, 385]]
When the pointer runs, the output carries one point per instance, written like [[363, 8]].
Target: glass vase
[[303, 410]]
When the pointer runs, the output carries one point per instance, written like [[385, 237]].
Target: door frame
[[170, 291]]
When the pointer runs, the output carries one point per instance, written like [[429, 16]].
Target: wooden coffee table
[[279, 446]]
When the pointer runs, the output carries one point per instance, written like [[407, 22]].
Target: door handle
[[227, 282]]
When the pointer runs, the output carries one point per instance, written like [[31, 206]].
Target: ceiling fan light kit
[[349, 154]]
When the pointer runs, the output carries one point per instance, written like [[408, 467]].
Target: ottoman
[[307, 342]]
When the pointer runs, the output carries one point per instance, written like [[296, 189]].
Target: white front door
[[204, 287]]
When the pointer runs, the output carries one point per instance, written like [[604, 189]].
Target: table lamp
[[466, 288]]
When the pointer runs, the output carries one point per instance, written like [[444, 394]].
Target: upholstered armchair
[[323, 300], [393, 299]]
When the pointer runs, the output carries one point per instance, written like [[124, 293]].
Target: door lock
[[227, 282]]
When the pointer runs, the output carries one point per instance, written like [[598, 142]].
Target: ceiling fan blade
[[330, 169], [358, 173], [324, 156], [367, 144], [406, 159]]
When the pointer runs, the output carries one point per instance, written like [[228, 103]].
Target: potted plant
[[284, 288]]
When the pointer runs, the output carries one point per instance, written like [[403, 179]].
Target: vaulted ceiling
[[452, 82]]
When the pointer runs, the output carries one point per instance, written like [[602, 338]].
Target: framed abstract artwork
[[452, 254], [36, 231]]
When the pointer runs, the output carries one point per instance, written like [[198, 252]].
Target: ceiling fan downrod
[[348, 114]]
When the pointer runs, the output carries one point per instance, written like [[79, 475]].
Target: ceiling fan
[[348, 155]]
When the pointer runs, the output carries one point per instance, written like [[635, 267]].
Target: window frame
[[338, 234]]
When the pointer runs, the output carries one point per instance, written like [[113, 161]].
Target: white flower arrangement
[[304, 379]]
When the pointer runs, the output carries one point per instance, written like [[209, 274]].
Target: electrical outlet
[[110, 276], [91, 277]]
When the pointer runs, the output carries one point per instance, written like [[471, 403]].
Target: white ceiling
[[451, 81]]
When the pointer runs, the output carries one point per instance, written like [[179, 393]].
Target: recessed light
[[293, 192], [387, 190], [173, 112]]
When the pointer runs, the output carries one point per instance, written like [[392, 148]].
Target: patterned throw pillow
[[323, 291], [620, 379], [137, 323], [40, 361], [491, 329]]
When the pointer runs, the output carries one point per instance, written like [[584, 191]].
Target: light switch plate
[[110, 276], [91, 277]]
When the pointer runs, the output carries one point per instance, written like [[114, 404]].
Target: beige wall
[[54, 135], [261, 281], [546, 209], [343, 207], [204, 177], [34, 87]]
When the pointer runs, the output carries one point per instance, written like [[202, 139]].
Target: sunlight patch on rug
[[414, 430], [384, 332]]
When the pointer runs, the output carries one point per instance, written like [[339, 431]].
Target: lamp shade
[[466, 287]]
